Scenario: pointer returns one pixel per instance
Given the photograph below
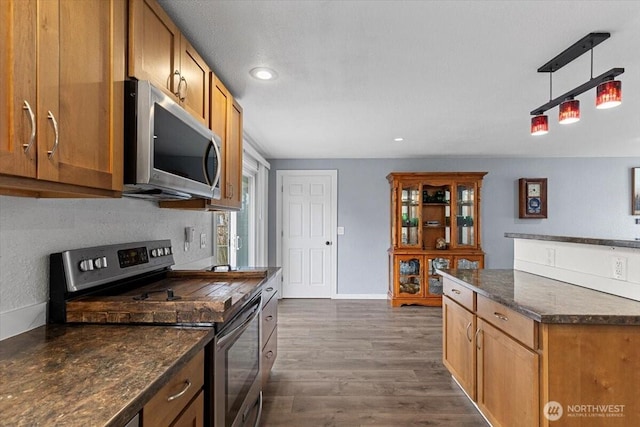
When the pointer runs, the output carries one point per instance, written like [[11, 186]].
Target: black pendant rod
[[608, 75], [580, 47]]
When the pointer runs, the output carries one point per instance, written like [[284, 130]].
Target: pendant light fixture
[[608, 94], [539, 125], [569, 112]]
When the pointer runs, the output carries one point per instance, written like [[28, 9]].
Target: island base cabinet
[[593, 373], [507, 379], [458, 344]]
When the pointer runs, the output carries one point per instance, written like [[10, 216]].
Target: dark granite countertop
[[547, 300], [583, 240], [89, 375]]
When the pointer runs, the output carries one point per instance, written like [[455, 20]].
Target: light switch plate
[[203, 240], [340, 231]]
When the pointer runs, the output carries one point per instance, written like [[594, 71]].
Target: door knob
[[328, 243]]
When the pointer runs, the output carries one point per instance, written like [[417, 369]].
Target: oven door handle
[[228, 335]]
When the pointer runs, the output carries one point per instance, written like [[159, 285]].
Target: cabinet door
[[154, 46], [226, 122], [458, 344], [80, 92], [18, 87], [434, 262], [193, 416], [468, 262], [220, 101], [193, 87], [508, 381], [409, 215], [466, 223], [409, 276], [233, 157]]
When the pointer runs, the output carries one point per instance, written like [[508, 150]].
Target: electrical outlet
[[551, 257], [619, 268], [203, 241]]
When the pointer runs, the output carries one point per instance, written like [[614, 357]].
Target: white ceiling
[[453, 78]]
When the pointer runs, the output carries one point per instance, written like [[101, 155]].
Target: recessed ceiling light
[[398, 139], [263, 73]]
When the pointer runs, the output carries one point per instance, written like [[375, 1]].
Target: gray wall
[[587, 197], [31, 229]]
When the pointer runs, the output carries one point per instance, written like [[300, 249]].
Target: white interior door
[[307, 235]]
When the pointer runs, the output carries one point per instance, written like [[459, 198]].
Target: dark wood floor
[[362, 363]]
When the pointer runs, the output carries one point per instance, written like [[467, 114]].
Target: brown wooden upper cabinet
[[158, 52], [226, 121], [61, 115]]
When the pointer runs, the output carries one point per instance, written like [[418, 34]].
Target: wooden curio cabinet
[[435, 223]]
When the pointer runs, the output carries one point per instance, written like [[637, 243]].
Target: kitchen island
[[530, 350]]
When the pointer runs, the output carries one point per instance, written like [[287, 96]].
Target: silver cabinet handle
[[455, 291], [500, 316], [187, 384], [269, 289], [467, 332], [477, 340], [269, 354], [177, 92], [32, 137], [269, 318], [55, 129], [182, 98]]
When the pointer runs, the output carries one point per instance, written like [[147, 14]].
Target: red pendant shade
[[569, 112], [609, 94], [539, 125]]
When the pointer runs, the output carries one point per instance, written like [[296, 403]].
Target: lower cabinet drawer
[[269, 354], [513, 323], [460, 294], [269, 319], [172, 399]]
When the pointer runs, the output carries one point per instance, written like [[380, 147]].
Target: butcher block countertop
[[201, 297], [89, 375], [547, 300]]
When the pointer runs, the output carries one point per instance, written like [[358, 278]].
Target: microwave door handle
[[205, 159]]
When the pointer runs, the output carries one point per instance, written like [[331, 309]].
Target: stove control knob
[[170, 250], [154, 253], [86, 265], [100, 262], [166, 251]]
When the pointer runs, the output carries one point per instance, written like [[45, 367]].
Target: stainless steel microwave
[[168, 154]]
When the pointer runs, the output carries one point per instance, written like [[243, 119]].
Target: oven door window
[[242, 360]]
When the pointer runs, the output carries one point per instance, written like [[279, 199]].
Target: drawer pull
[[269, 289], [187, 384], [467, 332], [269, 354], [455, 291], [269, 318], [500, 316]]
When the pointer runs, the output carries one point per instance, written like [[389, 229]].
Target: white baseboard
[[359, 296], [21, 320]]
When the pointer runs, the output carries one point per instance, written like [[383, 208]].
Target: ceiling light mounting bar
[[580, 47], [608, 75]]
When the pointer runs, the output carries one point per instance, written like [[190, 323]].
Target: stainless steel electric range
[[132, 283]]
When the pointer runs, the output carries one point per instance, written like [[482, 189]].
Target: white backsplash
[[590, 266], [31, 229]]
